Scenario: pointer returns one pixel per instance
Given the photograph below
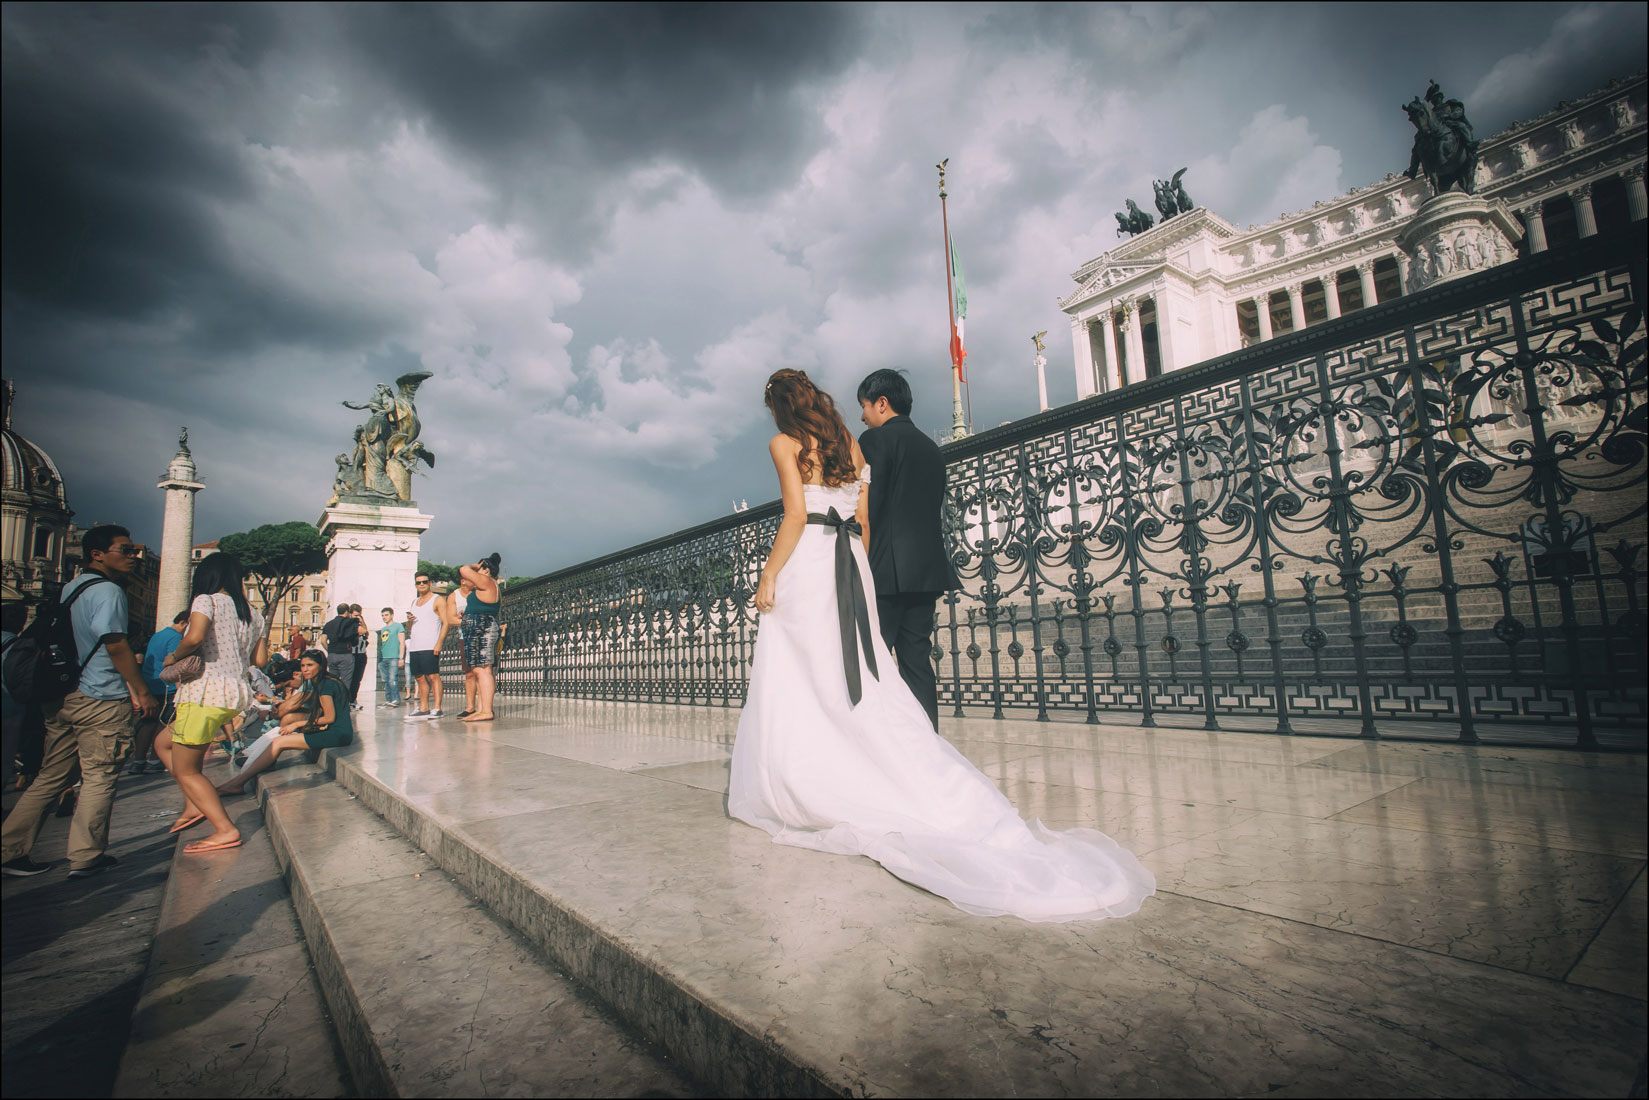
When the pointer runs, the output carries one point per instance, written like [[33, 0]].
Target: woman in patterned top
[[227, 634]]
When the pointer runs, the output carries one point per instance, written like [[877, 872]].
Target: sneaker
[[417, 714], [465, 713], [96, 867], [23, 867], [138, 767], [436, 714], [154, 766]]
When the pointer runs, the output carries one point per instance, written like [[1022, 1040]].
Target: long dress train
[[874, 779]]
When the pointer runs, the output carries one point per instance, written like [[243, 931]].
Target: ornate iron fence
[[1432, 510]]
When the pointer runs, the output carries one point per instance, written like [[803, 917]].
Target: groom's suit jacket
[[907, 490]]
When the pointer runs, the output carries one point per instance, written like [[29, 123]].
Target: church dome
[[28, 471]]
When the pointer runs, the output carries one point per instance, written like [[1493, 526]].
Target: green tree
[[439, 573], [276, 557]]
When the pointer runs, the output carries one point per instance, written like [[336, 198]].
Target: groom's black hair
[[890, 384]]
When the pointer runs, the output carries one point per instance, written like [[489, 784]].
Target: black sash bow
[[852, 610]]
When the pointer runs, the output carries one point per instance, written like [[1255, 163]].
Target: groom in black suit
[[907, 549]]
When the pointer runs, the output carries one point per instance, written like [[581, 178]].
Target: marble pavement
[[1333, 917]]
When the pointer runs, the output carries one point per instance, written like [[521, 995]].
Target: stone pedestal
[[372, 552], [1454, 235]]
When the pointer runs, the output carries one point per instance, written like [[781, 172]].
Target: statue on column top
[[387, 448]]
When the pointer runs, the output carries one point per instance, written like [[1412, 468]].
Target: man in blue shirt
[[94, 723], [154, 659]]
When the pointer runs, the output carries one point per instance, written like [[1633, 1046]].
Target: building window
[[315, 594], [314, 616], [292, 615], [1559, 215], [1387, 283], [42, 542], [1149, 339], [1609, 205]]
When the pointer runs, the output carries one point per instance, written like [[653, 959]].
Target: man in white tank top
[[427, 623]]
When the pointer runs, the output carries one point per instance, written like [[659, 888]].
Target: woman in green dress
[[326, 702]]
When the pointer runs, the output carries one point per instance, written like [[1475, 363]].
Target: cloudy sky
[[602, 227]]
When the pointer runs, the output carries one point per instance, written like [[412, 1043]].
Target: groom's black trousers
[[907, 628]]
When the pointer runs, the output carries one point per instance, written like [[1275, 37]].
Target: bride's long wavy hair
[[806, 414]]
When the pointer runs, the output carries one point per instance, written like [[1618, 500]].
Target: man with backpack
[[80, 667], [341, 632]]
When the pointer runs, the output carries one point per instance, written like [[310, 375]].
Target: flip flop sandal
[[183, 823], [200, 846]]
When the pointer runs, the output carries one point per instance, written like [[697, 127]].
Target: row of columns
[[1637, 208], [1331, 299], [1125, 336]]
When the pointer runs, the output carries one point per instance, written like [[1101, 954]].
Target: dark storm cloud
[[601, 225], [556, 98]]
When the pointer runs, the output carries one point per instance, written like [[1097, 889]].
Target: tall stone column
[[1331, 294], [1585, 216], [1136, 342], [1111, 343], [1262, 312], [1534, 220], [1637, 202], [1365, 278], [177, 533], [1087, 378], [1296, 305]]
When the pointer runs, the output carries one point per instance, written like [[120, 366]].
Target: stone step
[[230, 1004], [767, 970], [432, 994]]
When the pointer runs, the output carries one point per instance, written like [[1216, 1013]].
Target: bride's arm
[[862, 511], [784, 451]]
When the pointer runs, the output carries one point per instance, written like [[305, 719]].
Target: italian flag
[[958, 350]]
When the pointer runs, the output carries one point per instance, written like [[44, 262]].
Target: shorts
[[480, 640], [196, 724], [329, 738], [423, 663]]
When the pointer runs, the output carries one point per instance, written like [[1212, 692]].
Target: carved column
[[1365, 277], [1296, 306], [1585, 216], [1262, 312], [1331, 294], [1534, 221], [1402, 261], [1108, 344], [1637, 203], [1136, 343], [1087, 377]]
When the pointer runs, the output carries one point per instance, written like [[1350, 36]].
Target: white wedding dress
[[875, 780]]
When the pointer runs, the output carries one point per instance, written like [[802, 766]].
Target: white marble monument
[[372, 552]]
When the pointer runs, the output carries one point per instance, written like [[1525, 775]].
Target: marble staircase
[[595, 837]]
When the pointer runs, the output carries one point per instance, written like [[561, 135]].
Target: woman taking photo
[[227, 635], [480, 630], [322, 703]]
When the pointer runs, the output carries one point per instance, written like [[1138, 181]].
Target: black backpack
[[40, 664]]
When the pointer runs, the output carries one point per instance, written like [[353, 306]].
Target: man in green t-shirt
[[392, 649]]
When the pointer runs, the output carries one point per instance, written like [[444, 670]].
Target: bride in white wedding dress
[[817, 769]]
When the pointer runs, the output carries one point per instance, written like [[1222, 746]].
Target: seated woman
[[314, 717]]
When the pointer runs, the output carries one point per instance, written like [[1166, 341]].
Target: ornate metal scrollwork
[[1433, 514]]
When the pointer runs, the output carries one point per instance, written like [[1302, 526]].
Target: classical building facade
[[1195, 287], [35, 554]]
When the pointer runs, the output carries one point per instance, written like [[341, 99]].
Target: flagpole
[[959, 423]]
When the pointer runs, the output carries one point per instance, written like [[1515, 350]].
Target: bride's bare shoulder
[[782, 444]]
